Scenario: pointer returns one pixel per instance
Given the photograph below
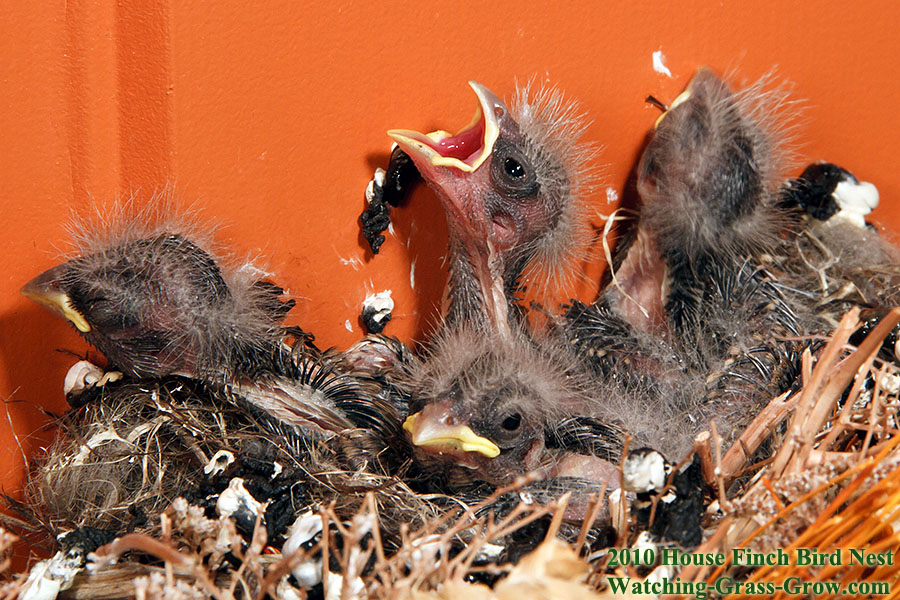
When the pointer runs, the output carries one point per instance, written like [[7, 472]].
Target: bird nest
[[227, 463], [812, 486]]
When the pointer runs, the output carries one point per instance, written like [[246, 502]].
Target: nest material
[[832, 483]]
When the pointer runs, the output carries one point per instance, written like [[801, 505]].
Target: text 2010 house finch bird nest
[[720, 421]]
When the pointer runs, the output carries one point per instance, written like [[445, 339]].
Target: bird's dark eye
[[509, 431], [513, 168], [107, 315], [512, 422], [512, 173]]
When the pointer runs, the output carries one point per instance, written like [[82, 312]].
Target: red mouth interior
[[465, 144]]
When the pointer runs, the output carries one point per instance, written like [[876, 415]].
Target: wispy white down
[[351, 262]]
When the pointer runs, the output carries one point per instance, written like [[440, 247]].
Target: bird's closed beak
[[704, 76], [464, 151], [431, 428], [44, 289], [680, 99]]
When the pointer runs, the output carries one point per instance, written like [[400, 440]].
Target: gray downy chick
[[154, 301], [512, 184], [693, 318], [153, 298]]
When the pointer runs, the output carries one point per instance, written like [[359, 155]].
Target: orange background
[[271, 115]]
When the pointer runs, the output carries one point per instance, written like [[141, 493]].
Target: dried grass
[[832, 483]]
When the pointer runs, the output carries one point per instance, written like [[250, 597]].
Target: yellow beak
[[41, 290], [682, 97], [429, 147], [437, 435]]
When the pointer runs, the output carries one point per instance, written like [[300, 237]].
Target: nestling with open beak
[[488, 397], [512, 185]]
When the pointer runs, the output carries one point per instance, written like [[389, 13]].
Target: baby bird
[[155, 302], [682, 332], [488, 409], [511, 184], [708, 183], [693, 314]]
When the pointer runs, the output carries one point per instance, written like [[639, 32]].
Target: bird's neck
[[477, 289]]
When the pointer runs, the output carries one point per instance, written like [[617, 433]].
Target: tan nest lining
[[832, 484]]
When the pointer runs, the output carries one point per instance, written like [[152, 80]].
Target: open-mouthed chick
[[512, 184]]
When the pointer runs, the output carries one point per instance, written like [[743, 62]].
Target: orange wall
[[271, 115]]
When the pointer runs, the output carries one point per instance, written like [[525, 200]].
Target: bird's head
[[486, 404], [483, 426], [709, 176], [161, 304], [511, 183]]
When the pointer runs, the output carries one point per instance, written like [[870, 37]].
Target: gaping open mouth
[[467, 149]]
